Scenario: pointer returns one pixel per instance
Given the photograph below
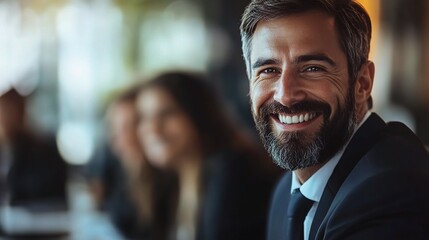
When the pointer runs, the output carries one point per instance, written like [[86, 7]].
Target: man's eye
[[269, 70], [312, 69]]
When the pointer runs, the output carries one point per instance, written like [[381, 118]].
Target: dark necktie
[[296, 212]]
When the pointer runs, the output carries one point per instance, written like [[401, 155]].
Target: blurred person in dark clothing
[[107, 182], [31, 168], [223, 182], [121, 181]]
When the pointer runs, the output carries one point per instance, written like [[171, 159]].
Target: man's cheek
[[257, 97], [254, 106]]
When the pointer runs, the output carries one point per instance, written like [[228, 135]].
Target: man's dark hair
[[351, 19]]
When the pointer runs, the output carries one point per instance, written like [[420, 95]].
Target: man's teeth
[[288, 119]]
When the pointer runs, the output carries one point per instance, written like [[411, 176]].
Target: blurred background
[[68, 57]]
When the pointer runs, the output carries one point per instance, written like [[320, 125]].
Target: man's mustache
[[303, 106]]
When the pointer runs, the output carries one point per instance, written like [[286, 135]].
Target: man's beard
[[299, 149]]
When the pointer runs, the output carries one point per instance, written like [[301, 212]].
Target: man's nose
[[289, 90]]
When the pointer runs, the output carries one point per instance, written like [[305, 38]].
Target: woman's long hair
[[142, 183], [200, 101]]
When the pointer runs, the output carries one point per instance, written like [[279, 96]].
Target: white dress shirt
[[313, 188]]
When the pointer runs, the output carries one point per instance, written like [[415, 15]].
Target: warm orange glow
[[373, 9]]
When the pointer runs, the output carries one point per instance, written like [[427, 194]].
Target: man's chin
[[295, 150], [295, 138]]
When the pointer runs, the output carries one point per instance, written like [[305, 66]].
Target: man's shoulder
[[385, 194], [393, 145], [397, 160], [400, 136], [386, 204], [399, 148]]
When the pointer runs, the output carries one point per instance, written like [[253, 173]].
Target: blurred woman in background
[[224, 182], [122, 182]]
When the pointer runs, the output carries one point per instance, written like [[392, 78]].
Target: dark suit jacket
[[378, 190], [106, 168]]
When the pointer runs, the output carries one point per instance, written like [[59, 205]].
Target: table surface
[[80, 221]]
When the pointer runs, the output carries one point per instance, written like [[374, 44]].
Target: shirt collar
[[313, 188]]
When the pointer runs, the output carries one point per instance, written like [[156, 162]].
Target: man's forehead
[[300, 33]]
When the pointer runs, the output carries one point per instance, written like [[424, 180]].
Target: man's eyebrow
[[315, 57], [264, 61], [303, 58]]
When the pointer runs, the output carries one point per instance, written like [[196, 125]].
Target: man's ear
[[364, 82]]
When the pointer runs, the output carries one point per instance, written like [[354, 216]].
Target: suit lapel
[[367, 135]]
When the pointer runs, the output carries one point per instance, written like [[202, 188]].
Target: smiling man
[[354, 176]]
